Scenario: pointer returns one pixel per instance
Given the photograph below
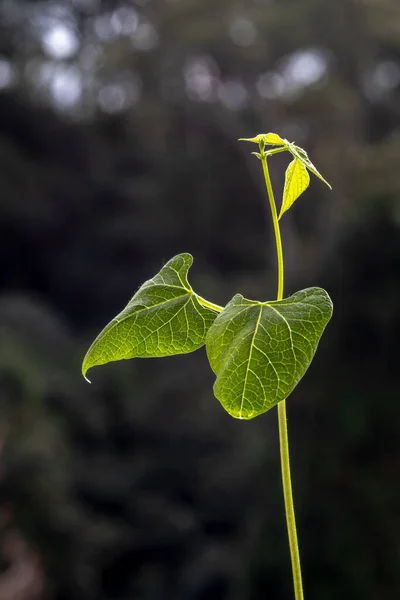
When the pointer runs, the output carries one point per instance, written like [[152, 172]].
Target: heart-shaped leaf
[[164, 317], [259, 351], [297, 181]]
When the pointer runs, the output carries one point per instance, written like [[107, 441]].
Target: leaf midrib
[[153, 306], [249, 361]]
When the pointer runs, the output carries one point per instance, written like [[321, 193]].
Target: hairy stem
[[282, 420]]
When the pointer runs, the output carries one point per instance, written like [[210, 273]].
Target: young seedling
[[258, 351]]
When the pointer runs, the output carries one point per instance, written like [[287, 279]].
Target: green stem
[[275, 151], [278, 240], [289, 506], [208, 304], [282, 420]]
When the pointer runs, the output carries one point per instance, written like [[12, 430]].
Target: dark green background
[[119, 154]]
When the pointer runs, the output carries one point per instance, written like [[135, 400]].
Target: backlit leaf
[[259, 351], [297, 181], [303, 156], [164, 317], [272, 139]]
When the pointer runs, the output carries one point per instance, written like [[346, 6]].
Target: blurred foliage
[[118, 128]]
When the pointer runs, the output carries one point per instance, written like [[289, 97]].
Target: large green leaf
[[297, 181], [259, 351], [164, 317]]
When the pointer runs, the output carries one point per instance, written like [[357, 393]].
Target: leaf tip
[[85, 369], [242, 415]]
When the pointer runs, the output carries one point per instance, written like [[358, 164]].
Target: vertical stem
[[289, 506], [277, 231], [282, 420]]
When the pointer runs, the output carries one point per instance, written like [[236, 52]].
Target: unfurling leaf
[[272, 139], [303, 156], [259, 351], [164, 317], [297, 181]]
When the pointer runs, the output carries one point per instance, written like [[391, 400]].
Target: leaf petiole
[[276, 151], [210, 305]]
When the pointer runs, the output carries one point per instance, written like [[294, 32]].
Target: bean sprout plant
[[258, 350]]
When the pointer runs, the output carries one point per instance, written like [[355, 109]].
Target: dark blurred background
[[118, 149]]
